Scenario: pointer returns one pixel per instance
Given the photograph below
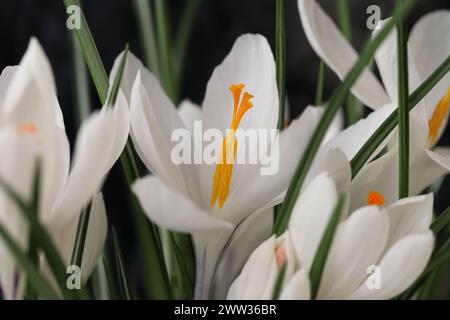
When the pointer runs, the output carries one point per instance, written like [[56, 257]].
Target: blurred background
[[216, 26]]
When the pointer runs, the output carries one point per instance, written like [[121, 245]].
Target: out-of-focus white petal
[[298, 288], [189, 112], [329, 44]]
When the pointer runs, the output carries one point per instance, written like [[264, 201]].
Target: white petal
[[329, 44], [357, 244], [400, 267], [100, 140], [310, 217], [189, 112], [153, 121], [430, 46], [5, 79], [171, 209], [298, 288], [409, 215]]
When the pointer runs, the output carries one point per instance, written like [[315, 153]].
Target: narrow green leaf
[[320, 258], [279, 282], [320, 81], [336, 100], [80, 237], [281, 60], [144, 13], [91, 55], [403, 113], [34, 277], [183, 277], [165, 50], [441, 222], [184, 32], [102, 280], [111, 100], [344, 18], [391, 122], [120, 268], [157, 280]]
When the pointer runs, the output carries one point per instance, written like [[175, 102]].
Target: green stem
[[403, 114], [281, 60], [320, 81]]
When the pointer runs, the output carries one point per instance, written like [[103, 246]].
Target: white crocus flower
[[32, 127], [395, 241], [428, 47], [208, 200]]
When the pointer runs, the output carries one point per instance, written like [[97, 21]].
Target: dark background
[[217, 25]]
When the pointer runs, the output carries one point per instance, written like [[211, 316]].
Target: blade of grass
[[157, 281], [336, 100], [279, 282], [34, 277], [120, 268], [280, 60], [320, 80], [403, 113], [184, 32], [164, 47], [144, 13], [320, 258], [391, 122]]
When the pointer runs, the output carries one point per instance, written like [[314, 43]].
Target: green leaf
[[102, 280], [320, 258], [183, 276], [157, 281], [164, 47], [320, 80], [403, 113], [143, 11], [279, 282], [111, 100], [34, 277], [441, 222], [281, 60], [80, 237], [120, 268], [336, 100], [391, 122]]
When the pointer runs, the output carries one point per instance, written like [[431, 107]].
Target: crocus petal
[[154, 120], [189, 112], [99, 143], [310, 217], [430, 45], [400, 267], [173, 210], [409, 215], [249, 234], [298, 288], [5, 79], [357, 244], [329, 44]]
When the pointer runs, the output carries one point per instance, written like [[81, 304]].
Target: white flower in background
[[396, 239], [210, 201], [32, 127], [428, 47]]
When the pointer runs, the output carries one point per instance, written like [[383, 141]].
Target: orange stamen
[[437, 119], [375, 198]]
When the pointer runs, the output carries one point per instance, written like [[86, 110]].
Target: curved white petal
[[429, 41], [173, 210], [5, 79], [409, 215], [400, 267], [329, 44], [189, 112], [99, 143], [357, 244], [310, 217], [298, 288]]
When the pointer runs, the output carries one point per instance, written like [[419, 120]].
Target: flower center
[[224, 167], [437, 119], [375, 198], [26, 128]]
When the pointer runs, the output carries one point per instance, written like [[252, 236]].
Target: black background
[[216, 27]]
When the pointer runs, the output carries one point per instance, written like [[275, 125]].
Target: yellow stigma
[[375, 198], [437, 119], [26, 127], [224, 167]]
